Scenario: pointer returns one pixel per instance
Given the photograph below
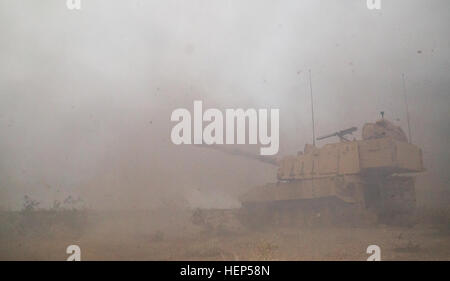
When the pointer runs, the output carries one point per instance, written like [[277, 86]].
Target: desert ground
[[170, 235]]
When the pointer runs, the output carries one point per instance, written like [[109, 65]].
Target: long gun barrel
[[241, 153], [339, 134]]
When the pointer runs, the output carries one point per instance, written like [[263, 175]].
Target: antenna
[[312, 109], [407, 110]]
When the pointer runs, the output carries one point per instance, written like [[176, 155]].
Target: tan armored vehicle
[[363, 180]]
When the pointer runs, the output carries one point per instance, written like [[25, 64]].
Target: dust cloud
[[86, 96]]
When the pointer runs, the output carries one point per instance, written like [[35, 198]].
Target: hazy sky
[[86, 96]]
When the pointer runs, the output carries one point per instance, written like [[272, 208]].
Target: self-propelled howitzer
[[367, 179]]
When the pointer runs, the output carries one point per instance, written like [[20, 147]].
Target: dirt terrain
[[170, 235]]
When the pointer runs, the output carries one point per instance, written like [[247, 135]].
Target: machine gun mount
[[341, 134]]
